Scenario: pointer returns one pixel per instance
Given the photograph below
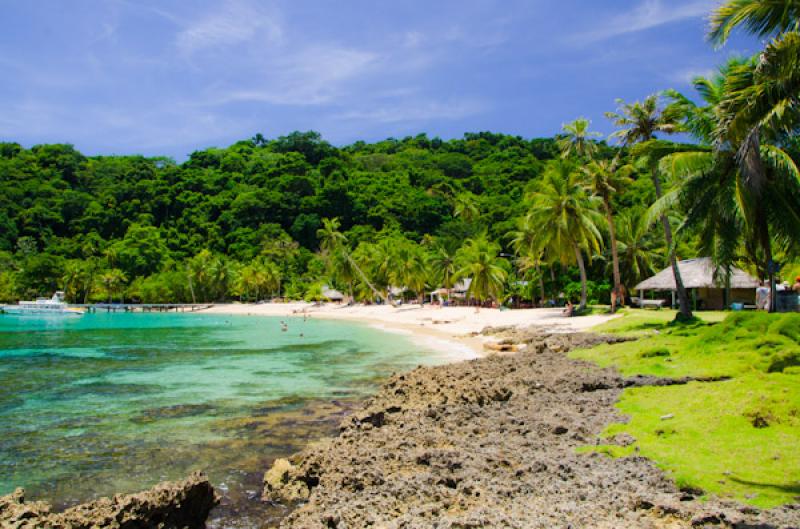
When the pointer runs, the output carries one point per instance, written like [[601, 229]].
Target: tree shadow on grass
[[785, 488]]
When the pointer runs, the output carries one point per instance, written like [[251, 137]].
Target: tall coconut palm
[[761, 105], [333, 241], [639, 122], [569, 217], [479, 260], [747, 184], [605, 180], [577, 139]]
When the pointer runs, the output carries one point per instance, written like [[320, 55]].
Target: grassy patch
[[740, 344], [737, 438], [640, 321]]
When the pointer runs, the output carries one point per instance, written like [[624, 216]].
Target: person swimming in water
[[284, 326]]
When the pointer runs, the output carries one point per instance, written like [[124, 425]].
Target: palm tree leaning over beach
[[572, 217], [332, 242], [479, 261], [639, 122]]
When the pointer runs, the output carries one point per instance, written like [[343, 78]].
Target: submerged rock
[[170, 505]]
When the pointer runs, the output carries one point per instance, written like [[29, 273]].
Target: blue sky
[[161, 77]]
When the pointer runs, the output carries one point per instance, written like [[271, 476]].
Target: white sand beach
[[451, 330]]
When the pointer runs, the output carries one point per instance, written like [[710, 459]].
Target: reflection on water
[[111, 403]]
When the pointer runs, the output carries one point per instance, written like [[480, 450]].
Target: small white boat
[[54, 305]]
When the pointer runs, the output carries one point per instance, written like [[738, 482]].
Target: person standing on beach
[[796, 286], [762, 297]]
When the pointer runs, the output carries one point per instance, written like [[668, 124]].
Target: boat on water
[[54, 305]]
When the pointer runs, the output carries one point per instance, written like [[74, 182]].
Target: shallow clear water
[[109, 403]]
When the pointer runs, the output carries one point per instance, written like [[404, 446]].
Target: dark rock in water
[[170, 505]]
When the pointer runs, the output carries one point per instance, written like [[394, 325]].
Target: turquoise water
[[109, 403]]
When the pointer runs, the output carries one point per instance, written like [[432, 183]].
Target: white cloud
[[234, 22], [312, 76], [416, 111], [648, 14]]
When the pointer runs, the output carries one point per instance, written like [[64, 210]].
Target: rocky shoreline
[[180, 504], [492, 443]]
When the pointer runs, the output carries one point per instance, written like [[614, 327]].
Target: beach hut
[[332, 294], [708, 289]]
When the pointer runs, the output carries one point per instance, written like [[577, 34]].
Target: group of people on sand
[[763, 294]]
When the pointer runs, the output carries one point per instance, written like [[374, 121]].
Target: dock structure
[[144, 307]]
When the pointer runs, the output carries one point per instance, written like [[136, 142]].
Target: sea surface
[[106, 403]]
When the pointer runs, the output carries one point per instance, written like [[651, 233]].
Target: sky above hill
[[167, 77]]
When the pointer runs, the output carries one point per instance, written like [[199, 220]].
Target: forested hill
[[142, 216]]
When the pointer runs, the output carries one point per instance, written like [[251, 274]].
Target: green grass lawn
[[738, 438], [639, 321]]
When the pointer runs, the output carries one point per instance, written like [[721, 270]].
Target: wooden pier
[[144, 307]]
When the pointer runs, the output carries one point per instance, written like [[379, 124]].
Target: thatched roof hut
[[708, 288], [697, 273], [332, 294]]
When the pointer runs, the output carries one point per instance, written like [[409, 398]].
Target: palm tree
[[740, 180], [761, 106], [112, 280], [527, 243], [639, 122], [605, 180], [637, 247], [577, 140], [333, 241], [409, 268], [442, 263], [78, 279], [569, 217], [761, 17], [465, 206], [479, 261]]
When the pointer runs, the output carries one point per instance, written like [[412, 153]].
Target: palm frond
[[760, 17]]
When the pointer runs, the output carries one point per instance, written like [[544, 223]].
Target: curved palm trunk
[[754, 169], [683, 298], [766, 244], [582, 268], [364, 278], [614, 255]]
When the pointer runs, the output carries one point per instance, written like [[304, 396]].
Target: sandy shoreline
[[453, 331]]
